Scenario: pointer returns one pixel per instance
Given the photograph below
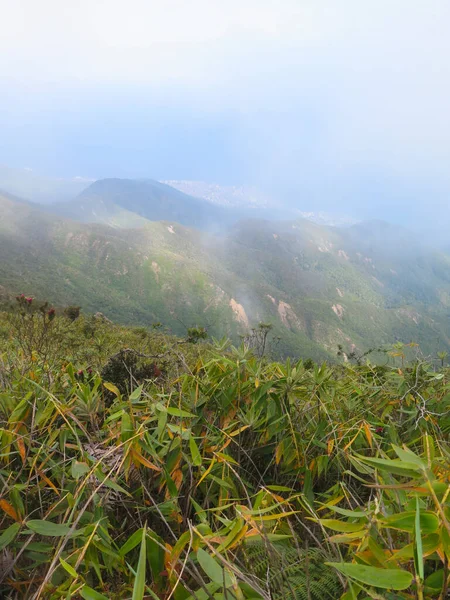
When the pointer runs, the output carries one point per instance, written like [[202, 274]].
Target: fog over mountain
[[289, 162], [336, 107]]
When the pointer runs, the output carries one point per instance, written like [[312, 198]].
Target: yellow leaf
[[238, 538], [238, 431], [332, 502], [353, 439], [206, 473], [368, 433], [137, 456], [112, 388], [278, 453]]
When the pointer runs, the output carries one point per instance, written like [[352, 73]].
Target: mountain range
[[142, 252]]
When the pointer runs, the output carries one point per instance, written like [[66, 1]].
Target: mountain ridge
[[125, 202]]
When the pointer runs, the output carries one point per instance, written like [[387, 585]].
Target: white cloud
[[349, 84]]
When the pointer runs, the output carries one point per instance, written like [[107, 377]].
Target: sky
[[328, 105]]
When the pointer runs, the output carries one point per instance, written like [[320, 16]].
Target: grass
[[135, 464]]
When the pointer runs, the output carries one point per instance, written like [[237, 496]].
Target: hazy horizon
[[335, 107]]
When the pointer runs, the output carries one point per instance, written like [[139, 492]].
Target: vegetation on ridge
[[318, 286], [138, 465]]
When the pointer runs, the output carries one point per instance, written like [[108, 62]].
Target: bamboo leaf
[[112, 388], [342, 526], [8, 509], [139, 582], [68, 568], [87, 593], [387, 579], [48, 528], [215, 572], [195, 452], [418, 554], [9, 535]]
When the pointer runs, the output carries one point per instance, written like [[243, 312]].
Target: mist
[[341, 107]]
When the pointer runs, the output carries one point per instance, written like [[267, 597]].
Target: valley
[[142, 252]]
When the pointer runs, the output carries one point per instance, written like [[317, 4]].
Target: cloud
[[326, 102]]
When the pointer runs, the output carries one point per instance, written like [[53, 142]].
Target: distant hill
[[319, 286], [254, 203], [127, 202], [225, 195]]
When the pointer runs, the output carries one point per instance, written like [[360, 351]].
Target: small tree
[[196, 334], [257, 339], [442, 356], [72, 312], [33, 327]]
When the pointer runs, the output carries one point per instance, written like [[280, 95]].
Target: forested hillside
[[318, 287]]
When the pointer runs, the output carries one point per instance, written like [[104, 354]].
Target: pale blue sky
[[339, 104]]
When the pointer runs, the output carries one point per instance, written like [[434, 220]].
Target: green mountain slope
[[318, 286]]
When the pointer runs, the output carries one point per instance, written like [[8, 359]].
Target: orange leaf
[[48, 482], [9, 510], [330, 446], [21, 447], [177, 477], [138, 456], [278, 452], [167, 557]]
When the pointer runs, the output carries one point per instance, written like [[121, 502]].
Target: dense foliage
[[138, 465]]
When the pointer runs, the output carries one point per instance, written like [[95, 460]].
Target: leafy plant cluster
[[137, 465]]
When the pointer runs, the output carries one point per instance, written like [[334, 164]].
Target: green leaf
[[206, 593], [342, 526], [407, 455], [418, 554], [215, 572], [9, 534], [19, 412], [155, 555], [387, 579], [405, 521], [177, 412], [430, 543], [355, 514], [136, 394], [279, 488], [134, 539], [395, 466], [139, 582], [79, 469], [89, 594], [434, 582], [195, 452], [68, 568], [48, 528], [162, 420], [126, 428], [109, 483]]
